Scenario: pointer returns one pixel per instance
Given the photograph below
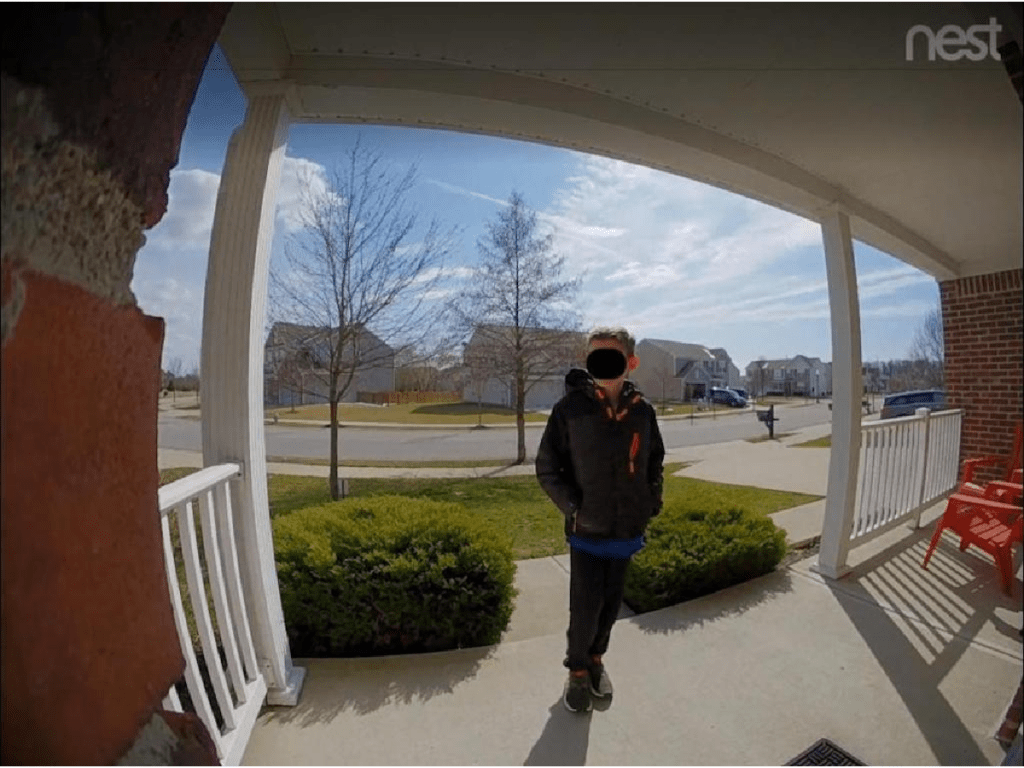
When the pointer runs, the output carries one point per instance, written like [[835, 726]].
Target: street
[[424, 444]]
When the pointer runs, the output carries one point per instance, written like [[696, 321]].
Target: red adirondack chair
[[986, 522], [970, 487]]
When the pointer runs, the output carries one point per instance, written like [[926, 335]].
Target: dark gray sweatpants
[[596, 585]]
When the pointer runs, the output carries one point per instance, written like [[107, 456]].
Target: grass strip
[[821, 442], [434, 413], [392, 464]]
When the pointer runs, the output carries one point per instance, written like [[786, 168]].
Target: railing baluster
[[884, 476], [201, 612], [905, 470], [875, 437], [239, 612], [872, 466], [193, 680], [860, 500], [896, 461], [905, 473], [891, 452], [214, 568], [915, 474]]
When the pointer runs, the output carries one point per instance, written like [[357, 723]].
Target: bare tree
[[663, 376], [175, 367], [478, 374], [416, 371], [760, 377], [518, 308], [293, 372], [928, 350], [359, 274]]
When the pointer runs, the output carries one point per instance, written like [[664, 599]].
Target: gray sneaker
[[577, 693], [600, 683]]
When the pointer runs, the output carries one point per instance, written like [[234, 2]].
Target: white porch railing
[[906, 465], [219, 582]]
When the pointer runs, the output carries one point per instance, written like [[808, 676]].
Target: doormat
[[824, 752]]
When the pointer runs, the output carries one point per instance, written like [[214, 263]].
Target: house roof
[[679, 349], [785, 362], [558, 339], [286, 333]]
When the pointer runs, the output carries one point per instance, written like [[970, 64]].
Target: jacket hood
[[580, 379]]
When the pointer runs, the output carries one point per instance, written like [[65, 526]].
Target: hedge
[[694, 552], [389, 574]]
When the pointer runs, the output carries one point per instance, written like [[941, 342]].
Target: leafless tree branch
[[358, 270]]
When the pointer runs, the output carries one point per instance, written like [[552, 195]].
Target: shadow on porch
[[929, 620]]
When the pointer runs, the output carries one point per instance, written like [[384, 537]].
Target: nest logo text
[[952, 42]]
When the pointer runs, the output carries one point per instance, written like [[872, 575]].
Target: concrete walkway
[[896, 665]]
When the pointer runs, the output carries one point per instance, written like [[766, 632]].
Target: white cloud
[[465, 192], [563, 225], [444, 273], [676, 241], [191, 204], [181, 306], [297, 173], [695, 263]]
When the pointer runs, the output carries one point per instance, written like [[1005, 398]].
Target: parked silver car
[[905, 403]]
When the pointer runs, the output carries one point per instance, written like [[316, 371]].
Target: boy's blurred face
[[608, 362]]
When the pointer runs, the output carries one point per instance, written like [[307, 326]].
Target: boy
[[600, 460]]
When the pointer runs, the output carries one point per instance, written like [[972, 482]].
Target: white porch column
[[847, 390], [234, 316]]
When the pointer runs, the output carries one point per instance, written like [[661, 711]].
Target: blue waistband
[[619, 549]]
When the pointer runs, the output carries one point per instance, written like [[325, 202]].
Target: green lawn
[[391, 463], [516, 504], [821, 442], [765, 438]]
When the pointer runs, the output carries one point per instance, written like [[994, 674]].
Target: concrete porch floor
[[895, 664]]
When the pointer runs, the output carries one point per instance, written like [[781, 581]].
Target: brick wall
[[95, 100], [982, 320]]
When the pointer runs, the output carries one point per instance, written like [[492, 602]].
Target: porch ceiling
[[802, 107]]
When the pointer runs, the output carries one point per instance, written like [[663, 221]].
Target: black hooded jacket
[[602, 469]]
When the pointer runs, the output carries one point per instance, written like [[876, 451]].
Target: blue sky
[[665, 256]]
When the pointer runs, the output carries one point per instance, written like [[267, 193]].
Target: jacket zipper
[[634, 448]]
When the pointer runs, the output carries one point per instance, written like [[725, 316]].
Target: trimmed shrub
[[388, 574], [693, 552]]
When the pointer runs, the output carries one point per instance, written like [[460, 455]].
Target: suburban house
[[799, 375], [724, 363], [295, 365], [672, 370], [440, 373], [901, 375], [490, 368]]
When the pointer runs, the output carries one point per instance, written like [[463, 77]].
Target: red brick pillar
[[982, 323], [95, 99]]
